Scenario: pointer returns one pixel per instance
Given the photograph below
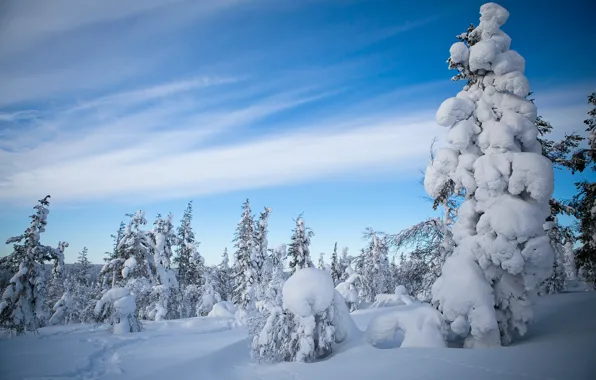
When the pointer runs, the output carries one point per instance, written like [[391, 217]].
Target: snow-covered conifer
[[243, 271], [321, 264], [187, 256], [584, 204], [65, 310], [223, 277], [374, 267], [165, 296], [209, 294], [117, 307], [22, 305], [336, 269], [299, 248], [82, 269], [260, 252], [344, 262], [502, 252]]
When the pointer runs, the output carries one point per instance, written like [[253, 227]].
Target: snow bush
[[312, 318], [224, 309], [347, 289], [421, 324], [117, 307], [209, 296], [502, 252], [400, 297]]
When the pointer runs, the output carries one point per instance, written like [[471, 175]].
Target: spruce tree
[[189, 261], [299, 248], [336, 270], [495, 162], [321, 264], [22, 305], [244, 274], [260, 252], [584, 205], [223, 277]]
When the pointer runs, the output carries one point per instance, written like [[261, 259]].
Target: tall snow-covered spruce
[[494, 159], [243, 271], [22, 306]]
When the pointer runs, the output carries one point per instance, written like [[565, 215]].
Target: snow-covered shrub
[[400, 297], [347, 289], [209, 296], [502, 252], [421, 324], [63, 309], [312, 318], [309, 295], [118, 308], [190, 299], [224, 309]]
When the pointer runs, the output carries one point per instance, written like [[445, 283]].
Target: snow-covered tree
[[22, 304], [79, 297], [502, 252], [135, 267], [344, 262], [312, 318], [81, 272], [375, 273], [55, 287], [117, 307], [223, 277], [260, 252], [584, 204], [336, 269], [321, 264], [119, 234], [190, 263], [299, 248], [244, 273], [165, 296], [428, 244], [65, 310], [209, 295]]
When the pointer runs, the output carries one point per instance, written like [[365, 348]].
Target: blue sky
[[321, 107]]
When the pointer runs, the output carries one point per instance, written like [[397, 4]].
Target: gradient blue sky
[[321, 107]]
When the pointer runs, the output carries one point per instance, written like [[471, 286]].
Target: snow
[[459, 53], [453, 110], [559, 346], [421, 324], [308, 291], [223, 309]]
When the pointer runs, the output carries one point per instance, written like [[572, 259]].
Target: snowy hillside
[[560, 345]]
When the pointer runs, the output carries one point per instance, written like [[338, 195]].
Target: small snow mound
[[422, 326], [224, 309], [308, 291]]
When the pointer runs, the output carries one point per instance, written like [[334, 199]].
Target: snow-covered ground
[[560, 345]]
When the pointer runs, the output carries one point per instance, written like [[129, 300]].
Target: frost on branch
[[501, 250]]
